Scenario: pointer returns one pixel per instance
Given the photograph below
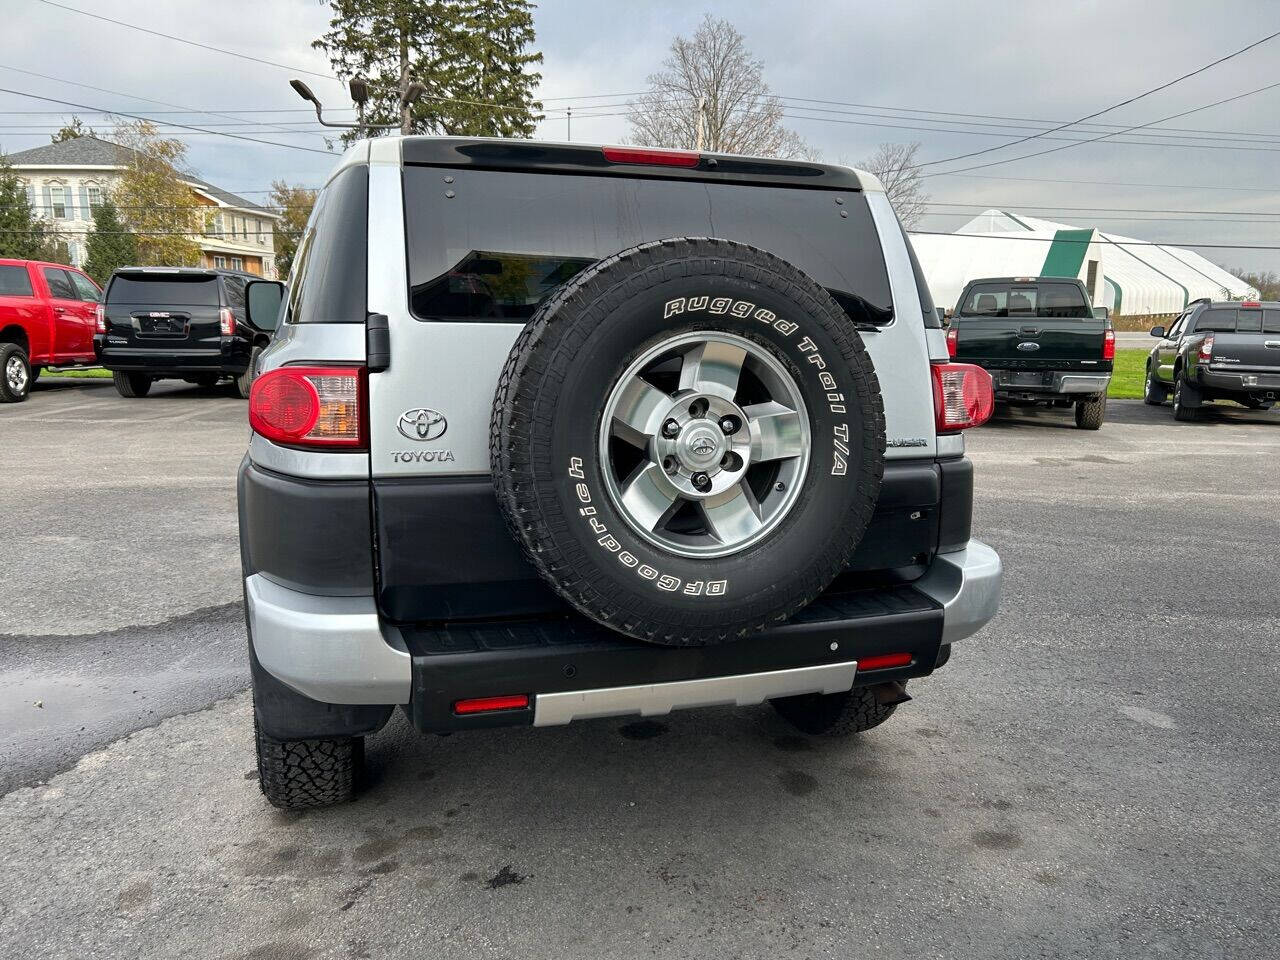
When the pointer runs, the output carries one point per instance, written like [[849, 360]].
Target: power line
[[1109, 183], [131, 116], [1049, 206], [117, 93], [193, 43], [1115, 106], [1174, 116]]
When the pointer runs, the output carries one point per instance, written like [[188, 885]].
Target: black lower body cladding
[[642, 571]]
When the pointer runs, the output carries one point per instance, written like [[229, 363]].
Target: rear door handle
[[59, 309]]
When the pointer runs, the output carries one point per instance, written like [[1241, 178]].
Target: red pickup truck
[[48, 312]]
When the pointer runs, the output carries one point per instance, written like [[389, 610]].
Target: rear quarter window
[[1216, 320], [329, 281], [15, 282], [493, 245], [168, 291]]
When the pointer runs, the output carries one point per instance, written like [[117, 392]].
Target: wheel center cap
[[701, 446]]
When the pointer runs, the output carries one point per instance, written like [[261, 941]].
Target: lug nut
[[729, 425], [671, 429], [701, 481]]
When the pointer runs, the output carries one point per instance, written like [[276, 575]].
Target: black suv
[[553, 432], [184, 323], [1217, 351]]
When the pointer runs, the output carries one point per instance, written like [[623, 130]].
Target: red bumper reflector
[[883, 661], [647, 155], [489, 704]]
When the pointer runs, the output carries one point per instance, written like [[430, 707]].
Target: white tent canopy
[[1131, 277]]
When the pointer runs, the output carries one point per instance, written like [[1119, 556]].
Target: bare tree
[[895, 165], [714, 69]]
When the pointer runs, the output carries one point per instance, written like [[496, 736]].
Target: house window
[[244, 229], [220, 263], [262, 235], [58, 202], [94, 193], [237, 263], [217, 224]]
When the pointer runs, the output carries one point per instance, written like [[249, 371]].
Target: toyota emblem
[[422, 424]]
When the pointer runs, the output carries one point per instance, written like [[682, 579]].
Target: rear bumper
[[1264, 385], [1049, 382], [338, 650], [231, 357]]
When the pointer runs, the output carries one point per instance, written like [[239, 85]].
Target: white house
[[66, 180]]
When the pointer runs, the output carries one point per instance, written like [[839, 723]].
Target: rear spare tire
[[688, 439]]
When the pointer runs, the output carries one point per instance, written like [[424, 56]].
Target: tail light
[[963, 396], [651, 157], [1108, 344], [100, 318], [884, 661], [1206, 349], [953, 340], [227, 320], [319, 407], [518, 701]]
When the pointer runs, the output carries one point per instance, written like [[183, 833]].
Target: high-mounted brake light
[[227, 321], [1108, 344], [320, 407], [953, 340], [963, 396], [1250, 303], [884, 661], [651, 157], [516, 701], [1206, 349], [100, 318]]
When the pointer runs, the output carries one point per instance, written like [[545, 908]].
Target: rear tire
[[1181, 393], [131, 385], [835, 714], [1090, 413], [244, 382], [305, 774], [15, 374], [1154, 393]]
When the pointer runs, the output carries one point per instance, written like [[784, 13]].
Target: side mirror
[[1157, 332], [262, 303], [1101, 313]]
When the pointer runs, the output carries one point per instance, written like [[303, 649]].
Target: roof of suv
[[600, 160], [189, 272]]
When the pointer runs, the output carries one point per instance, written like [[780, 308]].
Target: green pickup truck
[[1041, 341]]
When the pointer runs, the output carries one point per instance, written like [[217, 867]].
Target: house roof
[[90, 151]]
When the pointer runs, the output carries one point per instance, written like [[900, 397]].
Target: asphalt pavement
[[1093, 775]]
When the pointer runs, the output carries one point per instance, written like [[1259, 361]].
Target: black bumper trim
[[453, 662]]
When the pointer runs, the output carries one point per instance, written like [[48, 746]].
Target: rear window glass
[[1271, 321], [1048, 300], [492, 245], [59, 284], [164, 291], [15, 282], [1236, 320]]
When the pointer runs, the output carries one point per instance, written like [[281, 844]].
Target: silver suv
[[557, 431]]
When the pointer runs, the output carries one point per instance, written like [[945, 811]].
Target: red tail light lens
[[100, 318], [651, 157], [490, 704], [321, 407], [227, 320], [884, 661], [953, 340], [1108, 344], [1206, 349], [963, 396]]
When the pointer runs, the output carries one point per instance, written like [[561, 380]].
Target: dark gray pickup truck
[[1217, 351], [1040, 340]]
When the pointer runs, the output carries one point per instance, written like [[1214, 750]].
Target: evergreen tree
[[110, 245], [459, 50], [496, 70], [23, 235]]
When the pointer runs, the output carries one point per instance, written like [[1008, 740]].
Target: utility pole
[[569, 123], [702, 123]]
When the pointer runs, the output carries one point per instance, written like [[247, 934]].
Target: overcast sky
[[1017, 60]]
